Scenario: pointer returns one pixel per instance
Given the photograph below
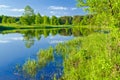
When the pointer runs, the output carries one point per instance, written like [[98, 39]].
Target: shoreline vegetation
[[41, 26], [92, 57]]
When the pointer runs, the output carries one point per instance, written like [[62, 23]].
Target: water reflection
[[52, 69], [22, 44], [30, 35]]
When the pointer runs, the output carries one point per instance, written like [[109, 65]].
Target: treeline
[[38, 19], [30, 18], [8, 19]]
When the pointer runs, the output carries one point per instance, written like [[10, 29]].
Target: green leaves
[[107, 10], [54, 20], [38, 19], [28, 17], [93, 57]]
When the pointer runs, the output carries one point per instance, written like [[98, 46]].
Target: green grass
[[19, 26], [31, 66], [98, 57], [92, 57]]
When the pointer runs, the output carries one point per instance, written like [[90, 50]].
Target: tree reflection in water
[[30, 35], [48, 64]]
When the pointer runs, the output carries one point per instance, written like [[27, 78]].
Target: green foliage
[[46, 20], [8, 20], [11, 20], [77, 20], [30, 67], [93, 57], [38, 19], [54, 20], [28, 17], [106, 11], [44, 57], [65, 20], [1, 19], [27, 20], [23, 20], [4, 19]]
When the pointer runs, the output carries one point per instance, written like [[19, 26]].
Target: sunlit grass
[[41, 26], [31, 66], [92, 57], [44, 56], [97, 59]]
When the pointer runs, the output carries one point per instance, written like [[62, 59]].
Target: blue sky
[[44, 7]]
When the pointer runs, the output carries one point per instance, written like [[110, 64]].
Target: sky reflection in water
[[15, 48]]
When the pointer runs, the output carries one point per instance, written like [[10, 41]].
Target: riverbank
[[95, 56], [17, 26]]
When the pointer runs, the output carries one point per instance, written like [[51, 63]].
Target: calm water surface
[[17, 46]]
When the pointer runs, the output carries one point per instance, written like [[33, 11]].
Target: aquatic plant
[[30, 67], [45, 56]]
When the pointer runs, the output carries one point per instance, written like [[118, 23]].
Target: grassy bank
[[95, 57], [18, 26], [92, 57]]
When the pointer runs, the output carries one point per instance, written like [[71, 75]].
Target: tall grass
[[97, 59], [31, 66], [92, 57]]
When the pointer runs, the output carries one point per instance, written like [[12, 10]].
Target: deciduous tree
[[38, 19], [28, 17], [106, 12]]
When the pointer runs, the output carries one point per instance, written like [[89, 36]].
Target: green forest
[[30, 18]]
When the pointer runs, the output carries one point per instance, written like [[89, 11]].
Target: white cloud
[[10, 9], [58, 13], [57, 8], [4, 6], [16, 10], [8, 40], [16, 38], [56, 41], [73, 8], [52, 12], [4, 41]]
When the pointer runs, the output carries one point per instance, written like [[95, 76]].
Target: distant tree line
[[30, 18]]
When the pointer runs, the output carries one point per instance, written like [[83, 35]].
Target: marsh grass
[[97, 59], [44, 57], [31, 66], [92, 57]]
